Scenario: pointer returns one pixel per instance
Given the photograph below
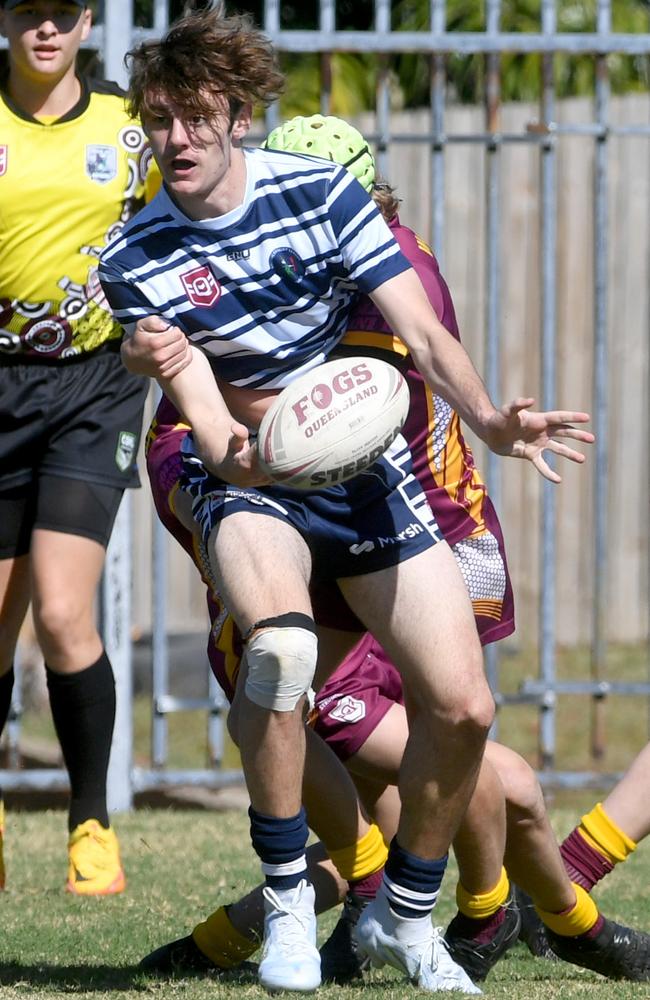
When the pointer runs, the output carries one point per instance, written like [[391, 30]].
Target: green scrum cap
[[331, 139]]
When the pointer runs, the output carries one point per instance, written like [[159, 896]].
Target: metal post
[[493, 280], [118, 29], [601, 394], [438, 81], [115, 621], [159, 644], [549, 320]]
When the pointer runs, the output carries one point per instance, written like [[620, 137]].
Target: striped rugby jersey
[[265, 290]]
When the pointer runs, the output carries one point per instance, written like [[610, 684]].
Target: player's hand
[[156, 349], [517, 430], [239, 464]]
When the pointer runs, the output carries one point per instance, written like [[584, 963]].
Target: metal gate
[[433, 47]]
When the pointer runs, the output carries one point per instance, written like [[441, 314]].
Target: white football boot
[[415, 947], [290, 959]]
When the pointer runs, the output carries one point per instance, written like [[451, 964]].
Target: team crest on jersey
[[4, 158], [101, 163], [125, 450], [287, 264], [201, 286], [348, 709]]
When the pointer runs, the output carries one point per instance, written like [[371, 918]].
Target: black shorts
[[78, 418], [56, 503]]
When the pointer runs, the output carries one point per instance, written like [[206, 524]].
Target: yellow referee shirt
[[66, 189]]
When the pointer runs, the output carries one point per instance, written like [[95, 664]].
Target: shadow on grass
[[100, 978]]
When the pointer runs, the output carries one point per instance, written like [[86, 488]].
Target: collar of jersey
[[70, 115]]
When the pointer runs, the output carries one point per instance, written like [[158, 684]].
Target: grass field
[[181, 864]]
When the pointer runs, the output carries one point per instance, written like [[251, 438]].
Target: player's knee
[[471, 712], [524, 797], [58, 622], [281, 663]]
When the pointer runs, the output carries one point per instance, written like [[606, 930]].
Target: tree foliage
[[354, 76]]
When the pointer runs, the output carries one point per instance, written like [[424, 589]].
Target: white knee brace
[[281, 665]]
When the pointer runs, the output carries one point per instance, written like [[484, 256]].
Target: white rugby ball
[[332, 423]]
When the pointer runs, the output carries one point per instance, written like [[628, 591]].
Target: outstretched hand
[[518, 431]]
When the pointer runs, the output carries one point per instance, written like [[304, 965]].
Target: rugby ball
[[332, 423]]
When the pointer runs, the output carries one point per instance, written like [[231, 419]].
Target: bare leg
[[628, 803], [65, 575], [272, 743], [448, 701]]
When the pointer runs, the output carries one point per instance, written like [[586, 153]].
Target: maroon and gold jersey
[[66, 189], [442, 459]]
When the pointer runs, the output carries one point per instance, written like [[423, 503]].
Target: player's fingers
[[566, 417], [565, 452], [516, 405], [544, 468], [152, 324], [572, 432]]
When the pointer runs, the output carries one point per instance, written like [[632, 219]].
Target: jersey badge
[[101, 163], [125, 450], [201, 286], [4, 158], [287, 264], [348, 709]]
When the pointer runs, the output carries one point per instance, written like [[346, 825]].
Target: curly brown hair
[[204, 55], [385, 199]]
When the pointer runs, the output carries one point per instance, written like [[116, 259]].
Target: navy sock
[[83, 709], [412, 884], [280, 845]]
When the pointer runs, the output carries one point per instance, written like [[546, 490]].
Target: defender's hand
[[518, 431]]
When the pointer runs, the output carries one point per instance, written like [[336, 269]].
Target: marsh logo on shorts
[[349, 709], [101, 163], [125, 450], [4, 156], [201, 286], [362, 547]]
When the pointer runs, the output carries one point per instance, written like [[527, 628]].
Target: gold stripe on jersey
[[488, 609], [66, 189], [446, 455]]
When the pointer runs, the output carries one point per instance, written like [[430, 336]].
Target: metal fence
[[434, 47]]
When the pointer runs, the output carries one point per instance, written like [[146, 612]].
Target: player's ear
[[87, 18], [242, 121]]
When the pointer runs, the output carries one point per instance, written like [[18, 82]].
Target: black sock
[[6, 688], [83, 709]]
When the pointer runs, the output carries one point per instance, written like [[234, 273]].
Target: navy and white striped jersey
[[266, 289]]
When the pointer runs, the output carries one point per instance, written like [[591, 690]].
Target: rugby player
[[70, 415], [359, 709], [210, 254]]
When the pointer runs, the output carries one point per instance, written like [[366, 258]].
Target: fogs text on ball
[[332, 423]]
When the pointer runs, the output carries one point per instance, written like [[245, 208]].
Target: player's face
[[44, 36], [197, 155]]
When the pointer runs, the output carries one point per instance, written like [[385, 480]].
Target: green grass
[[179, 866]]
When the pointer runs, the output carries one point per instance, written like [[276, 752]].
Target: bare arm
[[184, 374], [511, 430]]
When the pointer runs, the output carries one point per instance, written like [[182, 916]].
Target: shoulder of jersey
[[292, 161], [109, 87]]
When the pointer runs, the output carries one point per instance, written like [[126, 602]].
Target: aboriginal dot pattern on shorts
[[444, 414], [482, 567]]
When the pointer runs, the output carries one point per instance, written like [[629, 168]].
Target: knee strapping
[[281, 662]]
